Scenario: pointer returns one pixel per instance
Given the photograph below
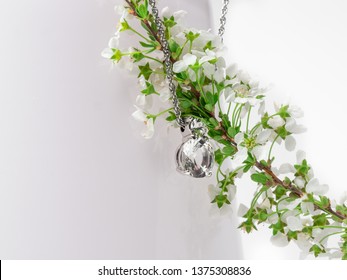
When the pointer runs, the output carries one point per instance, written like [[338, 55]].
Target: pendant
[[195, 156]]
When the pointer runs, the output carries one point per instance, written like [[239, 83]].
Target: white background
[[77, 181]]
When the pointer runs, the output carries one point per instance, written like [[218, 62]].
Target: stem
[[163, 112], [272, 145], [139, 34], [325, 237], [248, 116], [152, 58]]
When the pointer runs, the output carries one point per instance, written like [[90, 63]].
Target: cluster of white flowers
[[224, 98]]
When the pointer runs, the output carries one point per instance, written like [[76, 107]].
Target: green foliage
[[260, 178], [199, 96], [145, 70]]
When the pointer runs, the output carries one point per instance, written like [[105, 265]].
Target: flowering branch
[[225, 99]]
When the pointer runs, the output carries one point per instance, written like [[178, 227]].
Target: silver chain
[[223, 19], [167, 55]]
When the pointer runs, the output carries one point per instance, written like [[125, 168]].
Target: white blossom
[[294, 223], [263, 136], [243, 209], [276, 122], [148, 132], [314, 187], [279, 240], [290, 143], [286, 168], [182, 65], [293, 127]]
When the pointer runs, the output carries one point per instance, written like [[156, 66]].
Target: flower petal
[[313, 186], [179, 66], [189, 59], [264, 136], [290, 143], [276, 122], [294, 223], [279, 240]]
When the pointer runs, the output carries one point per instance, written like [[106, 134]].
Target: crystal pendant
[[195, 156]]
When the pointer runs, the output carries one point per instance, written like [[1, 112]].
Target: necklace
[[195, 156]]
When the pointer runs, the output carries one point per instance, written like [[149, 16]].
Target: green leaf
[[259, 178], [283, 112], [316, 250], [292, 235], [124, 26], [149, 90], [263, 216], [192, 36], [137, 56], [171, 117], [282, 132], [320, 220], [232, 131], [277, 227], [117, 55], [185, 104], [221, 199], [209, 107], [208, 46], [302, 169], [142, 11], [279, 192], [145, 70], [218, 156], [214, 122], [229, 150]]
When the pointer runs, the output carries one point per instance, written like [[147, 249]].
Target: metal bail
[[195, 156]]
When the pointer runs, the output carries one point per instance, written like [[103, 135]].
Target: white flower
[[182, 65], [107, 53], [286, 168], [231, 192], [258, 152], [290, 143], [210, 55], [307, 207], [139, 115], [229, 95], [148, 132], [178, 15], [300, 156], [243, 209], [314, 187], [265, 204], [294, 223], [303, 242], [276, 122], [299, 182], [209, 69], [279, 240], [123, 12], [231, 71], [293, 127], [261, 109], [243, 95], [295, 111], [113, 43], [212, 191], [263, 136], [239, 157]]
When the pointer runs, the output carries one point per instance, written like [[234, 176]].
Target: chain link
[[167, 55]]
